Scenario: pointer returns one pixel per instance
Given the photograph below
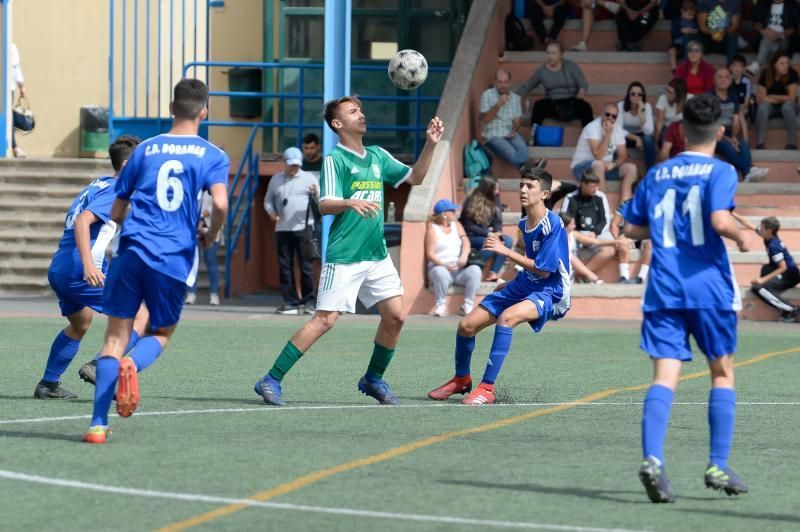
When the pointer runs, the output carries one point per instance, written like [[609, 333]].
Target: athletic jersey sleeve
[[547, 258], [636, 213], [101, 204], [218, 171], [126, 182], [331, 180], [775, 251], [394, 172], [722, 189]]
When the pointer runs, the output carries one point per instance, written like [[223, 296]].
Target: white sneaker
[[213, 299], [466, 308], [753, 68], [191, 297], [440, 310], [612, 7], [756, 174], [580, 47], [19, 153], [742, 43]]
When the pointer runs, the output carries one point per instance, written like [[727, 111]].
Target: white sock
[[645, 268], [624, 270]]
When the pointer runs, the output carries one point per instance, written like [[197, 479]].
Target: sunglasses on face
[[612, 116]]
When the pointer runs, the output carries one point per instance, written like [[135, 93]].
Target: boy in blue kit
[[78, 268], [684, 206], [779, 274], [540, 292], [157, 258]]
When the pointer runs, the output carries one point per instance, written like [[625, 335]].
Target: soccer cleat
[[724, 479], [97, 434], [482, 395], [88, 372], [655, 481], [52, 390], [269, 389], [127, 388], [453, 386], [378, 390]]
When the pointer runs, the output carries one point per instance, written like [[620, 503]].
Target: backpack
[[516, 36], [476, 163]]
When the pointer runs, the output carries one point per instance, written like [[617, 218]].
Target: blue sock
[[721, 418], [62, 352], [145, 352], [464, 347], [132, 342], [497, 354], [107, 375], [655, 418]]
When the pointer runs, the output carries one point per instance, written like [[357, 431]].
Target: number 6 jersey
[[164, 179], [690, 268]]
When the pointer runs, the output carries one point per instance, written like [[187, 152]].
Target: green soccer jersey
[[347, 174]]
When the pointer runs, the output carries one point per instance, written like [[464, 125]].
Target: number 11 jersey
[[690, 268], [164, 179]]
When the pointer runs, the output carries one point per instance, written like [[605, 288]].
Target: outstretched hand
[[435, 130]]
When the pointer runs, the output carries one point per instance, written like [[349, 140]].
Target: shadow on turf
[[30, 396], [256, 400], [783, 518], [39, 435]]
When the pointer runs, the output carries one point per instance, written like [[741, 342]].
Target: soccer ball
[[408, 69]]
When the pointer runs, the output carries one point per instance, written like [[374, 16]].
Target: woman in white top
[[446, 251], [669, 107], [636, 117]]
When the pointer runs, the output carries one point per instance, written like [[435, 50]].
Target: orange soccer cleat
[[127, 388], [451, 387], [482, 395], [97, 434]]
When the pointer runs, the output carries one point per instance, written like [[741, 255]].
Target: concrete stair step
[[49, 177], [72, 164], [24, 191]]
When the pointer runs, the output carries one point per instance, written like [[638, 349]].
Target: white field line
[[350, 512], [273, 410]]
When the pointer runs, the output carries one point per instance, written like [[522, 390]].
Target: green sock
[[288, 357], [381, 356]]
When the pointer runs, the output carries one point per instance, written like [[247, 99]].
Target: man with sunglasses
[[601, 149]]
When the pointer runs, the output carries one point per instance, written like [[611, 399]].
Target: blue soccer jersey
[[690, 268], [777, 252], [164, 180], [96, 198], [547, 244]]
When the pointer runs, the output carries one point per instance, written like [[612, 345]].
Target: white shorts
[[369, 281]]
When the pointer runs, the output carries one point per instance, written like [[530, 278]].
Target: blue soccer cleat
[[270, 390], [655, 481], [724, 479], [378, 390]]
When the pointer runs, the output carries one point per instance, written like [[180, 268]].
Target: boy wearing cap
[[286, 202], [447, 250]]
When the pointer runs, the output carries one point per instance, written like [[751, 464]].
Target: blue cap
[[444, 205]]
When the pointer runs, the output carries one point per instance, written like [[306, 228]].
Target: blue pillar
[[5, 115], [337, 75]]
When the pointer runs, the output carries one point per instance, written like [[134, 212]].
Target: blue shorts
[[665, 333], [516, 292], [130, 281], [578, 169], [75, 294]]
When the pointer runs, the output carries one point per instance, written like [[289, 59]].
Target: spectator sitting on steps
[[481, 217], [500, 114]]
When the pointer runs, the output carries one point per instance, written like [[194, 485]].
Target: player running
[[78, 269], [163, 182], [540, 292], [684, 205], [357, 263]]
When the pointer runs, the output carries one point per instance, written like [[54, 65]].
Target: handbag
[[476, 259], [309, 246], [23, 116]]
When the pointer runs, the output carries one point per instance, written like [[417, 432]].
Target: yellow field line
[[322, 474]]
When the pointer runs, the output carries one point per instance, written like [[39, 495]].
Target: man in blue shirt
[[779, 274], [157, 258], [78, 268], [540, 292], [684, 206]]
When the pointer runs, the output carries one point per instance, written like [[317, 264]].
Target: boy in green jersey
[[357, 262]]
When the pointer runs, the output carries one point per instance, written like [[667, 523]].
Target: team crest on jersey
[[535, 245], [376, 170]]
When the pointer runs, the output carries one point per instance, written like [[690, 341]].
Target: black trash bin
[[245, 80]]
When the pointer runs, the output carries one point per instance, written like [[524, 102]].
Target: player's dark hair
[[534, 173], [771, 223], [702, 117], [588, 176], [332, 107], [311, 137], [189, 98], [121, 149], [566, 218]]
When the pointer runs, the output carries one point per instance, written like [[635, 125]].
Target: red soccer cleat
[[97, 434], [482, 395], [451, 387], [127, 388]]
